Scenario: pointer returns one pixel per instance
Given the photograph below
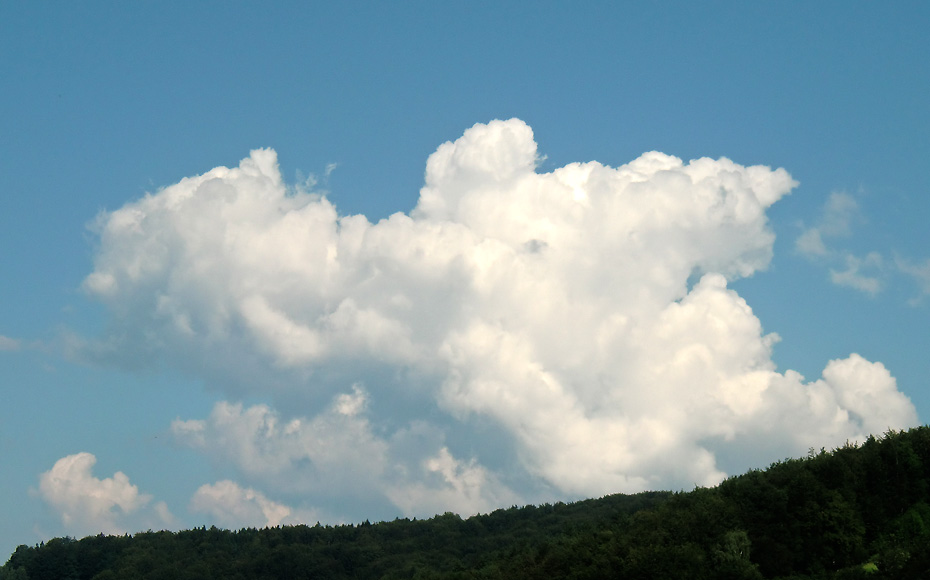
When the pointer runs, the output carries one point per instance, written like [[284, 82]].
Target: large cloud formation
[[517, 334]]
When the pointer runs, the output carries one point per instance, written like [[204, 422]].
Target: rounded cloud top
[[583, 312]]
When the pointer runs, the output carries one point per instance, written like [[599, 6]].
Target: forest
[[858, 511]]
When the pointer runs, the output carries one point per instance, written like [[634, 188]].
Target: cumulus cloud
[[334, 452], [336, 455], [443, 483], [89, 505], [518, 332], [234, 507], [868, 392]]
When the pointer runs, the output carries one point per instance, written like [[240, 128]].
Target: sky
[[275, 263]]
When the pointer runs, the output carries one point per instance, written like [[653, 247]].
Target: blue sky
[[231, 384]]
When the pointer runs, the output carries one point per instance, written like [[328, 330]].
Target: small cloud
[[920, 273], [334, 451], [840, 212], [353, 404], [450, 484], [312, 184], [869, 393], [853, 277], [89, 505], [165, 516], [810, 243], [233, 507], [9, 344]]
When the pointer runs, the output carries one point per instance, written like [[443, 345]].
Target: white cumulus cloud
[[443, 483], [334, 452], [337, 456], [518, 333], [89, 505], [234, 507]]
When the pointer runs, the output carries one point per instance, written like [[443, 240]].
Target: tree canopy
[[859, 511]]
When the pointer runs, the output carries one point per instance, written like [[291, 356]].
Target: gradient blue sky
[[106, 101]]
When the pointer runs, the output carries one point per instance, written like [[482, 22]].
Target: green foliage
[[7, 573], [856, 512]]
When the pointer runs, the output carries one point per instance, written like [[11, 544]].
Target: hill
[[859, 511]]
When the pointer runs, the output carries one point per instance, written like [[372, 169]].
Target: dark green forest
[[859, 511]]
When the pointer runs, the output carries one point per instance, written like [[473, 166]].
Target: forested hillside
[[856, 512]]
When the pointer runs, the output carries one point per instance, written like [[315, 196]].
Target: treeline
[[854, 512]]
